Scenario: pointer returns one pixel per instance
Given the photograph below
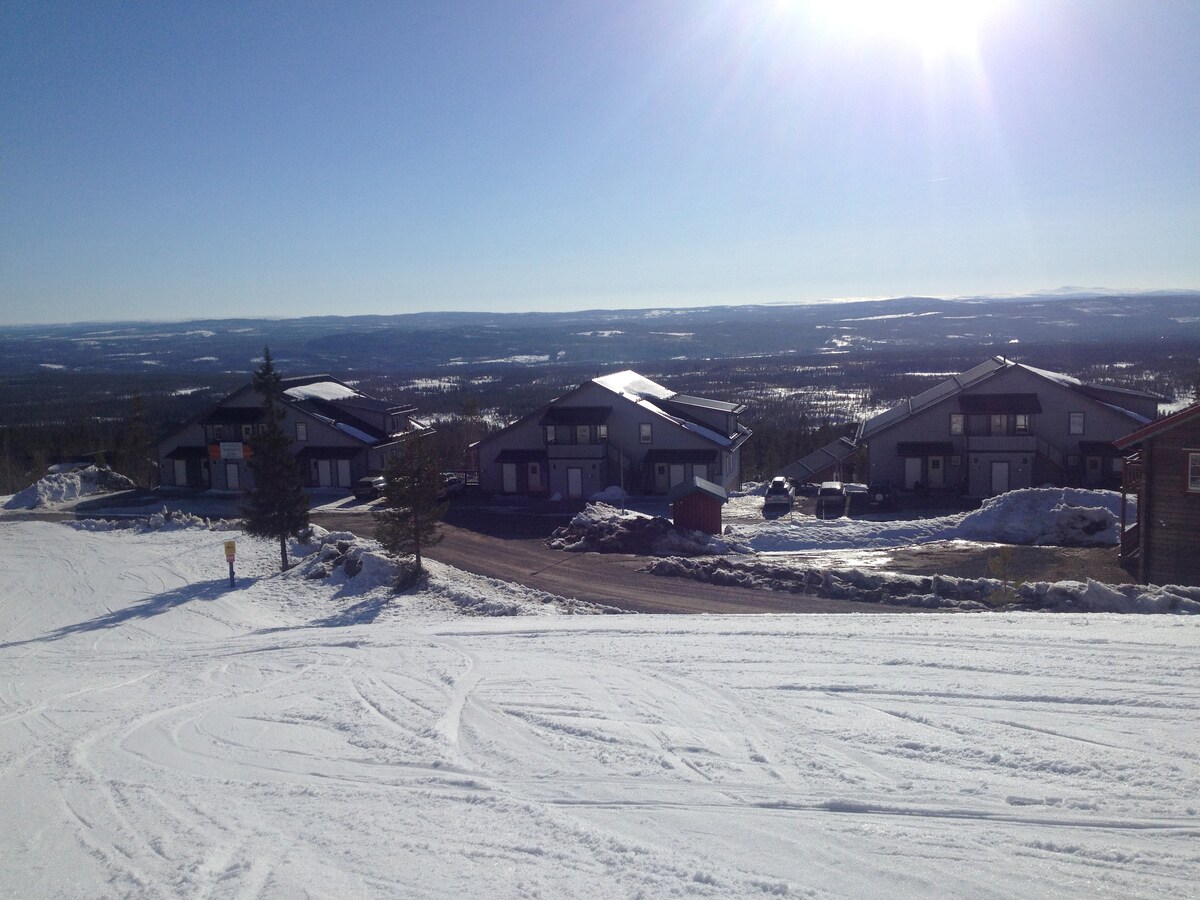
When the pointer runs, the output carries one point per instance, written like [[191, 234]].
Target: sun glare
[[936, 27]]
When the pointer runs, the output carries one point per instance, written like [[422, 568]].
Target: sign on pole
[[230, 550]]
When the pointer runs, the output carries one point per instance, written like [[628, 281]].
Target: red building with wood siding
[[697, 505], [1163, 545]]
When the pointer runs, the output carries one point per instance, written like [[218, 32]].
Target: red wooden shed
[[696, 504]]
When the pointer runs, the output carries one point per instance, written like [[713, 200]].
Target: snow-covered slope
[[162, 735]]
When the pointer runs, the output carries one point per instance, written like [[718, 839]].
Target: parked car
[[453, 484], [808, 489], [857, 498], [370, 487], [831, 500], [882, 495], [779, 495]]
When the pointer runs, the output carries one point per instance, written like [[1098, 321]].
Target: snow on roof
[[354, 432], [1057, 377], [321, 390], [632, 386]]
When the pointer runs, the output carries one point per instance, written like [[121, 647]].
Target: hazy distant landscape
[[803, 369]]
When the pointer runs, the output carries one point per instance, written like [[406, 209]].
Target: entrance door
[[324, 473], [574, 482], [343, 472], [912, 471], [181, 473], [936, 472], [509, 476], [233, 477], [676, 474], [999, 477], [535, 477]]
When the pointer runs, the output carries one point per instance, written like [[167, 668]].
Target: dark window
[[956, 423], [1075, 423], [1194, 471], [301, 431], [645, 435], [601, 433], [999, 424], [549, 434], [583, 434], [1021, 423]]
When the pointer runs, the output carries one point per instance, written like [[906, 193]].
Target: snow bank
[[64, 486], [166, 520], [936, 591], [603, 529], [358, 566], [1069, 517]]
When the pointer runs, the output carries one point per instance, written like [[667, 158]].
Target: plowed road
[[512, 548]]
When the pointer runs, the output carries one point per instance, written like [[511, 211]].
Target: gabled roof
[[697, 485], [1156, 428], [957, 384], [649, 396], [656, 399]]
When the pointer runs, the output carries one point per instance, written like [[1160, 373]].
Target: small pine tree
[[133, 443], [276, 507], [412, 510]]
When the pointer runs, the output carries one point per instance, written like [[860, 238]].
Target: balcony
[[576, 451], [1004, 443]]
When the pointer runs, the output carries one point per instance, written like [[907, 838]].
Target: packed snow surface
[[162, 735]]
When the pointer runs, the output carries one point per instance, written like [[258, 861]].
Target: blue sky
[[178, 160]]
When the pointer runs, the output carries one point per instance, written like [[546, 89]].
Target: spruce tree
[[276, 507], [412, 510]]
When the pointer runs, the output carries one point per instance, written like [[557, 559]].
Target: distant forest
[[96, 405]]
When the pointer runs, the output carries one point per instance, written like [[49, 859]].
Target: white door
[[999, 477], [676, 474], [912, 471], [936, 473], [180, 472], [535, 477], [324, 473], [233, 477], [574, 482], [343, 472], [509, 475]]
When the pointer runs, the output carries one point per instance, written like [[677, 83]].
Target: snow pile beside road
[[63, 487], [601, 528], [359, 567], [166, 520], [936, 591], [1069, 517]]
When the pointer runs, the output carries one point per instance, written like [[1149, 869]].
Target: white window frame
[[1193, 471], [645, 433], [1072, 418], [1021, 423], [601, 434]]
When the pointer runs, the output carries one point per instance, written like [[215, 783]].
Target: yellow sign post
[[230, 553]]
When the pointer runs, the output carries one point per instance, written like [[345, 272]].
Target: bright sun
[[937, 27]]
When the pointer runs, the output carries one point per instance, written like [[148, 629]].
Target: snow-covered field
[[163, 736]]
